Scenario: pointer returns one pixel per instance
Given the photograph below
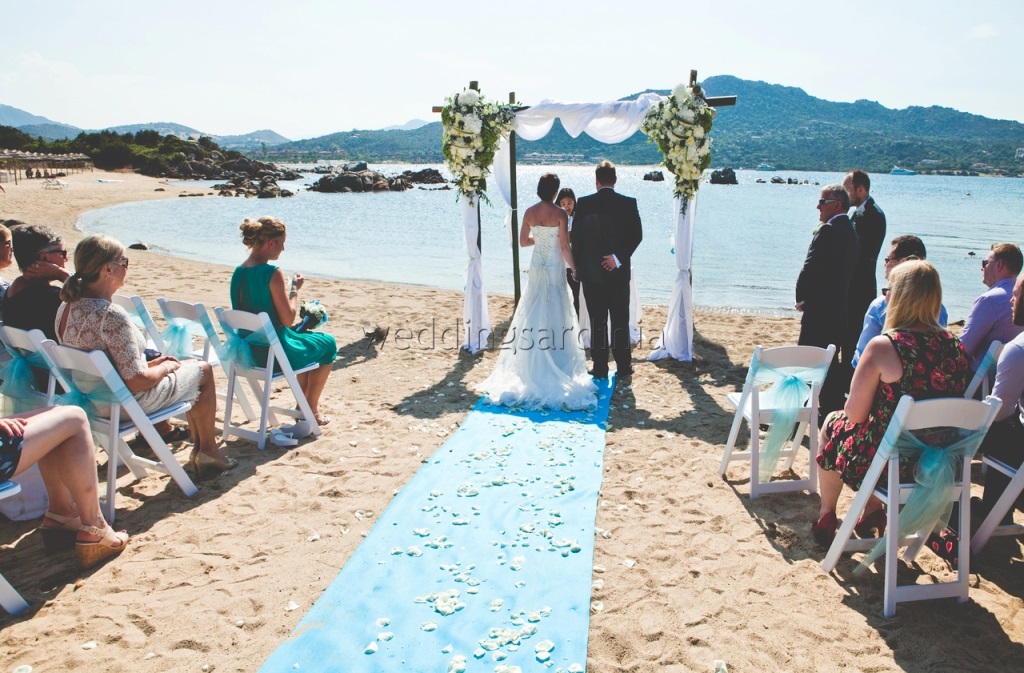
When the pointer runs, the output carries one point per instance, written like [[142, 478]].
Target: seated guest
[[258, 286], [89, 320], [913, 356], [6, 258], [1005, 439], [59, 440], [903, 248], [990, 318], [32, 300]]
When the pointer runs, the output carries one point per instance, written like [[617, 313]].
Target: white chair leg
[[1003, 505], [11, 600], [755, 458], [733, 435]]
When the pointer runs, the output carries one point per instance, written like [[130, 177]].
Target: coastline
[[206, 580]]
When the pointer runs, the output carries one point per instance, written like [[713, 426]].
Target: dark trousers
[[822, 333], [604, 301], [1005, 443], [574, 285]]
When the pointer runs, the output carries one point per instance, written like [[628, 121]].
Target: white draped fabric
[[474, 308], [676, 340]]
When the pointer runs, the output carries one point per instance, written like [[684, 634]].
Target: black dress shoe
[[624, 381]]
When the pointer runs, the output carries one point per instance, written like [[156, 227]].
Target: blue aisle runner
[[483, 562]]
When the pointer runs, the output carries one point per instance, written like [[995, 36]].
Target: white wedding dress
[[542, 364]]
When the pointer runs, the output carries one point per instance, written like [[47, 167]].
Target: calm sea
[[750, 239]]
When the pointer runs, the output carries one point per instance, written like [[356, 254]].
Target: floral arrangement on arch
[[680, 126], [473, 126]]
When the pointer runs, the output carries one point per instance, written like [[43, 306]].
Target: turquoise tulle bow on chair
[[237, 347], [92, 395], [936, 476], [941, 435], [178, 337], [790, 391], [790, 408], [19, 389]]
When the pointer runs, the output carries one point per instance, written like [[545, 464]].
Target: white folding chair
[[985, 375], [256, 329], [188, 323], [27, 347], [140, 315], [795, 375], [948, 413], [91, 374], [991, 527], [10, 600]]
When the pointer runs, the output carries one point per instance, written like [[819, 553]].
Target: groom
[[605, 232]]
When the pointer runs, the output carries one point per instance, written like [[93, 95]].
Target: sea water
[[750, 239]]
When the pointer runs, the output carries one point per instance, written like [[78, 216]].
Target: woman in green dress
[[258, 286]]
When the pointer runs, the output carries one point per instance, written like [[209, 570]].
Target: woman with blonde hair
[[88, 319], [258, 286], [913, 356]]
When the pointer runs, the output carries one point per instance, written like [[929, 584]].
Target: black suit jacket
[[824, 282], [605, 223], [870, 229]]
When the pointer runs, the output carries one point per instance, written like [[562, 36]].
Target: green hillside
[[774, 124]]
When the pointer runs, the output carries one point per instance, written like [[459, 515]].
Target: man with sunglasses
[[903, 248], [33, 297], [822, 290], [991, 318]]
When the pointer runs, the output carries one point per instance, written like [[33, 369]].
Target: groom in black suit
[[605, 232]]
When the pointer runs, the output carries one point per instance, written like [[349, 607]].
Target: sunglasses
[[822, 202], [55, 251], [123, 262], [986, 262]]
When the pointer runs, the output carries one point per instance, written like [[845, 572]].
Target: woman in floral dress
[[913, 356]]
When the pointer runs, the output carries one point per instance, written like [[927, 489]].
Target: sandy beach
[[206, 580]]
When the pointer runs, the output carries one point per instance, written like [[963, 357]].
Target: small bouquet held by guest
[[312, 314]]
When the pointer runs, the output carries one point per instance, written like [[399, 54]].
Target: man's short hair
[[547, 186], [908, 246], [837, 192], [1008, 253], [860, 179], [31, 239], [605, 173]]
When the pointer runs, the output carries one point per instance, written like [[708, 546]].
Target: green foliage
[[146, 150]]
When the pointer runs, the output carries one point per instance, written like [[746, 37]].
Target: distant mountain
[[251, 141], [410, 125], [12, 116], [421, 145], [780, 125], [163, 128], [51, 131]]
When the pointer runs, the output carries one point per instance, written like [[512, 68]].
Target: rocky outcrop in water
[[655, 176], [360, 181], [426, 176], [725, 176], [232, 170], [265, 188]]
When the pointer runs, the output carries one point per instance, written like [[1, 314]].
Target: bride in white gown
[[542, 364]]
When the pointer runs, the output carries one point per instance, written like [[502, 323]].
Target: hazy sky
[[308, 68]]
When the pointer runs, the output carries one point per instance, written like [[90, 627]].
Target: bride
[[541, 365]]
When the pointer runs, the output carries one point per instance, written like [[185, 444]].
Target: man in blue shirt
[[991, 318], [903, 248]]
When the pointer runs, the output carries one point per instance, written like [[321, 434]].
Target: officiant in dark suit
[[606, 231], [868, 223], [823, 288]]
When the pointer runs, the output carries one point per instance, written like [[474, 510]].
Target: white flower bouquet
[[680, 126], [472, 128], [312, 314]]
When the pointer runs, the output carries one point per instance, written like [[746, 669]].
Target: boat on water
[[896, 170], [765, 167]]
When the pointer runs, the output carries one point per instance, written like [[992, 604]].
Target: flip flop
[[322, 419], [179, 434]]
